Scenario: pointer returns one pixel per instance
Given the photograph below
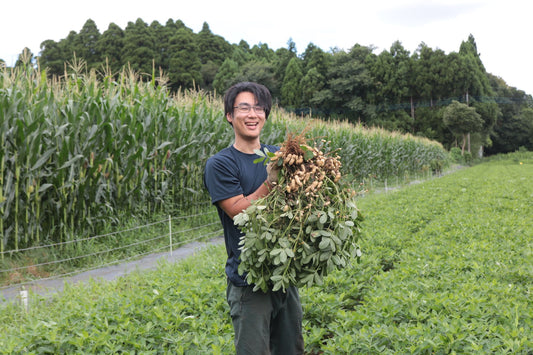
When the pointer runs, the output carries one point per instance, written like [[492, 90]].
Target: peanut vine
[[306, 227]]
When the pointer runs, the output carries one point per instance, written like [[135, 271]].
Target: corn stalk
[[79, 151]]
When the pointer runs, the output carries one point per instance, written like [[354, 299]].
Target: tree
[[462, 120], [86, 44], [489, 112], [261, 52], [514, 125], [52, 57], [184, 61], [213, 50], [454, 70], [430, 67], [225, 75], [513, 132], [476, 87], [110, 45], [397, 84], [291, 90], [282, 59], [314, 57], [315, 63], [347, 84], [208, 72], [475, 80], [240, 55], [311, 84], [139, 47], [70, 47], [162, 35], [259, 72], [392, 73]]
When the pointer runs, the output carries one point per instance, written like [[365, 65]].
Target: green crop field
[[447, 268], [87, 152]]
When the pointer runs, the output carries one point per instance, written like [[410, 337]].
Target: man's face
[[247, 125]]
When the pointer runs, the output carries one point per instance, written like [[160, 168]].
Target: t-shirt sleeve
[[221, 178]]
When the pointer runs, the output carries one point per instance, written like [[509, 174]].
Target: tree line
[[446, 97]]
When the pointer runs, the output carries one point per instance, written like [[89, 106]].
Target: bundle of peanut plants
[[307, 226]]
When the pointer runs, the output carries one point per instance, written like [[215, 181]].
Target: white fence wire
[[188, 235]]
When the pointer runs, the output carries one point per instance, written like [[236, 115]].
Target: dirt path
[[108, 273]]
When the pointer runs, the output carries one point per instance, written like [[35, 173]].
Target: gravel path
[[108, 273]]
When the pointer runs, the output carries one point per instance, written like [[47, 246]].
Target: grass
[[447, 268]]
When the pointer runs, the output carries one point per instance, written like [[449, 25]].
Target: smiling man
[[264, 323]]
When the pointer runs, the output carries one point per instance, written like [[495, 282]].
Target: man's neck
[[247, 147]]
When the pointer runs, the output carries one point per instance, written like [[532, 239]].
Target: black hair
[[261, 93]]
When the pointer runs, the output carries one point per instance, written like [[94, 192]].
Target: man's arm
[[236, 204]]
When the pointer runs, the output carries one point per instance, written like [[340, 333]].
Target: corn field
[[366, 152], [79, 151]]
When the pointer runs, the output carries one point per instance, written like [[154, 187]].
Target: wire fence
[[101, 251]]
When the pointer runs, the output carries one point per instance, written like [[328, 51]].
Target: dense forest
[[448, 97]]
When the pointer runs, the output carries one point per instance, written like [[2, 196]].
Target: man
[[264, 323]]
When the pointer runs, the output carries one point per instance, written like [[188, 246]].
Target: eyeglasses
[[245, 108]]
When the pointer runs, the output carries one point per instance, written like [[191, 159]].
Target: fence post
[[170, 233], [24, 298]]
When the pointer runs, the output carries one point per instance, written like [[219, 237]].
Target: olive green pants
[[266, 323]]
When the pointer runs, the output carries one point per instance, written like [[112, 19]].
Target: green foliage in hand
[[296, 247], [298, 240]]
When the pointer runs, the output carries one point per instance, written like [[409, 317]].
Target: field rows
[[447, 268]]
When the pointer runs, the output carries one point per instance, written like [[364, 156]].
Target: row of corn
[[77, 152]]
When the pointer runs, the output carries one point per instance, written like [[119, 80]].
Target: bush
[[456, 155]]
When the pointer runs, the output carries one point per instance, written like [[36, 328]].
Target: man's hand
[[273, 172]]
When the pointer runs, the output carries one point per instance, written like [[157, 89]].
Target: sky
[[502, 29]]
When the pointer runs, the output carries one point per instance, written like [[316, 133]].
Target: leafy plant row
[[446, 268], [77, 153]]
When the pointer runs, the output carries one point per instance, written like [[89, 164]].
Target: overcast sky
[[502, 28]]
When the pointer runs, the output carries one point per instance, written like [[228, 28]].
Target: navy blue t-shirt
[[227, 174]]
